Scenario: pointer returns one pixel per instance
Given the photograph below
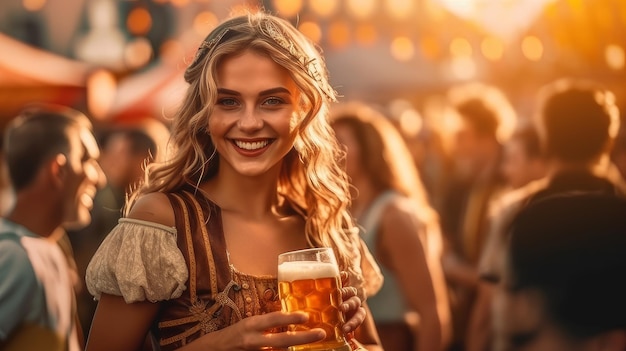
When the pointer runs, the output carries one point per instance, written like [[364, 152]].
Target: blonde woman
[[254, 173]]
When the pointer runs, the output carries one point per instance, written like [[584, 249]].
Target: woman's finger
[[350, 305], [276, 319], [355, 321]]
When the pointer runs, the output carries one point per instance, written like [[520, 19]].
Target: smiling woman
[[255, 172]]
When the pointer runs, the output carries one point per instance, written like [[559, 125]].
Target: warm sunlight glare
[[504, 18]]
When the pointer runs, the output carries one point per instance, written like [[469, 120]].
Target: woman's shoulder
[[401, 205], [153, 207], [405, 211]]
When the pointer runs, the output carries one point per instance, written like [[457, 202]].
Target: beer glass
[[308, 280]]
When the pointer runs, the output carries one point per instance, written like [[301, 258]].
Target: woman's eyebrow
[[227, 91], [278, 90]]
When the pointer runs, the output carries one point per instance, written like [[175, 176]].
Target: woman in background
[[400, 228]]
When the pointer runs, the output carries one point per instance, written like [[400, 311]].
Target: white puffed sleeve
[[138, 260]]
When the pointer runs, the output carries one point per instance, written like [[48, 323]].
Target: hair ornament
[[312, 67]]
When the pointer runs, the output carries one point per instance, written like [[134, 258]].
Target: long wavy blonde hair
[[311, 178]]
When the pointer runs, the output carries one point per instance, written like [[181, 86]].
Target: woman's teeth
[[251, 145]]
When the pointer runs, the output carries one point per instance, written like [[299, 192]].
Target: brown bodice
[[217, 295]]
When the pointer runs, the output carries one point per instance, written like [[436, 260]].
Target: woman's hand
[[351, 307], [252, 333]]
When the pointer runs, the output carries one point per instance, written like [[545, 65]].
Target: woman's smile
[[252, 145]]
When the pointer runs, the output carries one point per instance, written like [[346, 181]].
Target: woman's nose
[[250, 120]]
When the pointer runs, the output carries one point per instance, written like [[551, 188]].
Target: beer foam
[[299, 270]]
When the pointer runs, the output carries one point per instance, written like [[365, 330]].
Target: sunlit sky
[[504, 18]]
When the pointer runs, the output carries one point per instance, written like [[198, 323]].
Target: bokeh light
[[288, 8], [463, 68], [180, 3], [339, 34], [361, 9], [138, 53], [366, 34], [101, 90], [532, 48], [204, 22], [492, 48], [460, 47], [430, 47], [615, 57], [399, 9], [139, 21], [324, 8], [402, 48], [410, 122], [311, 30], [33, 5]]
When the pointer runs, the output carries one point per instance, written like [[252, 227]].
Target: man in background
[[51, 157], [562, 285]]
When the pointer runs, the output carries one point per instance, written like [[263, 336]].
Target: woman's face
[[251, 125]]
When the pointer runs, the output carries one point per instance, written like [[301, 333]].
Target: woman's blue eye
[[273, 101], [227, 102]]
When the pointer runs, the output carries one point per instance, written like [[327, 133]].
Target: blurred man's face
[[82, 178]]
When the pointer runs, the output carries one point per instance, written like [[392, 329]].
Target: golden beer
[[313, 287]]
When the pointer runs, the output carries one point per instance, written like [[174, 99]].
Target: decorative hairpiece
[[312, 67], [207, 47]]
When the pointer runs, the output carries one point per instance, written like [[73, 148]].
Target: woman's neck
[[249, 196]]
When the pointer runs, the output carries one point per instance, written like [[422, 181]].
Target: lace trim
[[148, 224]]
